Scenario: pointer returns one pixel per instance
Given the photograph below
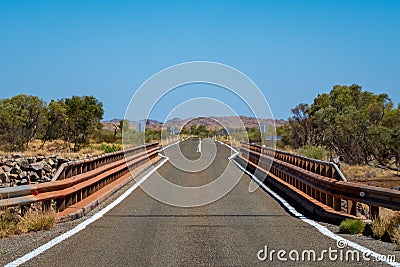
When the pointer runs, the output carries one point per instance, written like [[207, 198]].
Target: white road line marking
[[320, 228], [199, 146], [83, 224]]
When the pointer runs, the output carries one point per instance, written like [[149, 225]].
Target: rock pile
[[18, 170]]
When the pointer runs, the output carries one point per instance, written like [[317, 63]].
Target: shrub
[[312, 152], [393, 230], [105, 136], [111, 148], [351, 226], [396, 237], [379, 227]]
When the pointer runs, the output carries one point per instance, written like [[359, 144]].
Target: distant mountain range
[[214, 123]]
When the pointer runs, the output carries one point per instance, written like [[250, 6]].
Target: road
[[142, 231]]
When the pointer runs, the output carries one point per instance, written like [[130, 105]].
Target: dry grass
[[396, 237], [380, 226], [9, 221], [36, 222], [362, 172], [371, 176], [389, 223], [59, 148], [12, 223]]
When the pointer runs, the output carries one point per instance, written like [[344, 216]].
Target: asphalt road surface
[[142, 231]]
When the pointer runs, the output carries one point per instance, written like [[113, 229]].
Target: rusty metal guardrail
[[75, 167], [319, 181], [76, 180], [324, 168]]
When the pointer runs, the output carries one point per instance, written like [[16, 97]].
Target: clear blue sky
[[293, 50]]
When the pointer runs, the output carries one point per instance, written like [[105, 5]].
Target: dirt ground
[[372, 176]]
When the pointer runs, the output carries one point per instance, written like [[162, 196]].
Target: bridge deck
[[142, 231]]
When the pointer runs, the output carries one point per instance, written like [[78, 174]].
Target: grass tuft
[[380, 226], [396, 237], [36, 222], [11, 223], [111, 148]]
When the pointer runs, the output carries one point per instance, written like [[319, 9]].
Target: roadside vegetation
[[360, 127], [70, 127], [12, 223], [387, 228], [352, 226], [24, 118], [314, 152]]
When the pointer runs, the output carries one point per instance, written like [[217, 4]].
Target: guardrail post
[[79, 196], [318, 168], [313, 192], [308, 190], [336, 176], [329, 200], [318, 195], [60, 206], [24, 209], [337, 204], [46, 205], [68, 201], [323, 197], [329, 172], [323, 170], [312, 169], [68, 172], [351, 207]]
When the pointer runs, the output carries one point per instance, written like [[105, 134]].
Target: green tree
[[284, 132], [300, 125], [202, 131], [360, 126], [21, 119], [83, 114], [254, 135], [56, 120], [184, 131]]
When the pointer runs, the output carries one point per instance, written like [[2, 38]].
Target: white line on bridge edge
[[320, 228], [83, 224]]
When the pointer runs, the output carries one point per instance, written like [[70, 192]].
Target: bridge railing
[[319, 181], [72, 168], [324, 168], [76, 180]]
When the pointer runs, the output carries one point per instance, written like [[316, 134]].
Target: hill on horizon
[[213, 122]]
